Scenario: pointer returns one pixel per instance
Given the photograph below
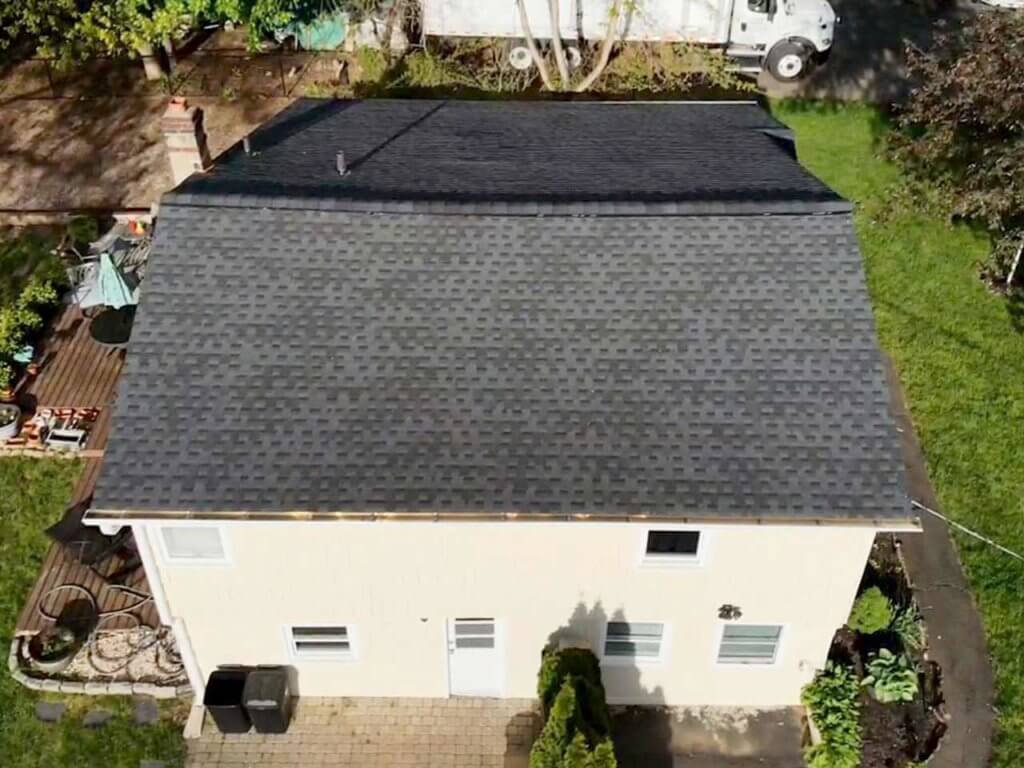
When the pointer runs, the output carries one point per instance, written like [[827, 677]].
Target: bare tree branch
[[606, 48], [531, 44], [556, 44]]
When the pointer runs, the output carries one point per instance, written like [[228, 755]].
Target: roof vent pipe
[[246, 145], [339, 162]]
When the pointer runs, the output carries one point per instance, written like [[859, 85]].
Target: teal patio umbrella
[[114, 288]]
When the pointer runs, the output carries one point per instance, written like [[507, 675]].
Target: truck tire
[[788, 61]]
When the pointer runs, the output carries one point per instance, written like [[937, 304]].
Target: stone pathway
[[370, 733], [956, 638]]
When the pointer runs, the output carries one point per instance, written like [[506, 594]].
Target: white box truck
[[782, 36]]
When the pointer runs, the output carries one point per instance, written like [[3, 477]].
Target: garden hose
[[167, 658]]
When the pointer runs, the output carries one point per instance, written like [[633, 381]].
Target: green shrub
[[577, 723], [908, 625], [891, 678], [549, 749], [872, 612], [832, 701]]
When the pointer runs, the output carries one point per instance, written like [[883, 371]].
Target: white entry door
[[474, 657]]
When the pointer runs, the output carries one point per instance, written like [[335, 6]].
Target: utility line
[[967, 530]]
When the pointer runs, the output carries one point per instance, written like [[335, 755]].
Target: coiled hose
[[167, 658]]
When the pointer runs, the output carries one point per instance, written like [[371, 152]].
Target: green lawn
[[961, 359], [33, 492]]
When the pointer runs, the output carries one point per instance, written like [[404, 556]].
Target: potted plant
[[52, 650], [6, 382], [10, 415]]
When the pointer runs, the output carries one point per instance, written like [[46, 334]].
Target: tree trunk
[[556, 44], [150, 63], [606, 48], [531, 44], [172, 61]]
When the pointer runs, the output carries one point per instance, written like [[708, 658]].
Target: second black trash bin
[[268, 699], [223, 700]]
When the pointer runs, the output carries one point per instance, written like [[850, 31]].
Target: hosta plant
[[833, 703], [891, 677]]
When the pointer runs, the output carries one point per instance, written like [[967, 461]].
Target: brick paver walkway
[[372, 733]]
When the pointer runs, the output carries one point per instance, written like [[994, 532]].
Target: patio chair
[[89, 546]]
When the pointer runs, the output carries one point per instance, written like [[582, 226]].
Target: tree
[[564, 81], [963, 126], [75, 29], [962, 129]]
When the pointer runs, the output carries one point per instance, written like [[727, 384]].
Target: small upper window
[[749, 644], [673, 544], [193, 543], [634, 640], [333, 642]]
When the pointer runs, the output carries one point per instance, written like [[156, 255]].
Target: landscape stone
[[145, 711], [97, 718], [49, 712]]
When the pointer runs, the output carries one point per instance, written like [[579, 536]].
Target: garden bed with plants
[[878, 702]]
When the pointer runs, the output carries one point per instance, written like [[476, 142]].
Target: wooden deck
[[75, 371], [58, 568]]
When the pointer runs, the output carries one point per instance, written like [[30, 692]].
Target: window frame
[[337, 656], [635, 661], [779, 645], [676, 561], [170, 559]]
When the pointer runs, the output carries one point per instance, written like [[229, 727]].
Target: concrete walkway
[[956, 638]]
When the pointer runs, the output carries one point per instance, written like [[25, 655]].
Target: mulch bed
[[899, 733]]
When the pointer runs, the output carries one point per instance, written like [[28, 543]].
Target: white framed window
[[333, 641], [674, 545], [750, 644], [630, 642], [194, 544]]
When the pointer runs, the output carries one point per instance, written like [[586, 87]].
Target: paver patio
[[365, 732]]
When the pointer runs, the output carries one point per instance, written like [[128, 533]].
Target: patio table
[[113, 327]]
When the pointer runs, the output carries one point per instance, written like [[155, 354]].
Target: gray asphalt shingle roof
[[473, 156], [340, 360]]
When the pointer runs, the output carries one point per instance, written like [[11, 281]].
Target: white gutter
[[145, 546]]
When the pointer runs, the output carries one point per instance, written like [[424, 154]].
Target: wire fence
[[223, 73]]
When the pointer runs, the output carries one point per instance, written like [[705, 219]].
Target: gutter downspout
[[163, 608]]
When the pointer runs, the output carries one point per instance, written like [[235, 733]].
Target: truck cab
[[784, 36]]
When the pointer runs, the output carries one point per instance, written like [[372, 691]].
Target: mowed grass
[[33, 493], [960, 356]]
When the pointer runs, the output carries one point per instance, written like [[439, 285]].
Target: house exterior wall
[[397, 583]]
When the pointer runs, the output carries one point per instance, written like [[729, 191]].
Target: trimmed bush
[[872, 612], [577, 724], [832, 701]]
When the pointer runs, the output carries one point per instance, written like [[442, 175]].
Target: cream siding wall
[[397, 583]]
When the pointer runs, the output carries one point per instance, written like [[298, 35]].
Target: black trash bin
[[223, 700], [268, 699]]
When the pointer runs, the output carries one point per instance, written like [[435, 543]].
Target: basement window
[[322, 642], [749, 644], [633, 641]]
